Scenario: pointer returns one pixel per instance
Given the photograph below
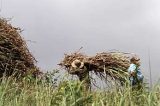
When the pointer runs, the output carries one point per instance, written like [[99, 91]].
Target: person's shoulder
[[132, 65]]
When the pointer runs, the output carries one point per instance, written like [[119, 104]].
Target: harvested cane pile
[[112, 64], [14, 55]]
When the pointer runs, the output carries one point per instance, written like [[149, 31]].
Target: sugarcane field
[[79, 53]]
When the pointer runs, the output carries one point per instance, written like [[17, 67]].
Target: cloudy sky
[[55, 27]]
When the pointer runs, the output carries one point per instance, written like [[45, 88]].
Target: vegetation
[[29, 91], [28, 86]]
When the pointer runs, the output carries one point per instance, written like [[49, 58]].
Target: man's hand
[[132, 73]]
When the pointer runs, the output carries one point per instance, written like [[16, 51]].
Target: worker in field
[[135, 74]]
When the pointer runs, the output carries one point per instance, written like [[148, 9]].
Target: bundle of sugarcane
[[110, 60], [14, 54], [113, 64]]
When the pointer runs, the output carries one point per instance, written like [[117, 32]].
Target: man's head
[[135, 60], [76, 67], [77, 64]]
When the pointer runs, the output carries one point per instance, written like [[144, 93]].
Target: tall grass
[[35, 92]]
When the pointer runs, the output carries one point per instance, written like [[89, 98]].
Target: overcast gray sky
[[63, 26]]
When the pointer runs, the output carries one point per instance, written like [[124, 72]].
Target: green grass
[[34, 92]]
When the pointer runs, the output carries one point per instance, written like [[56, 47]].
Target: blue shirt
[[133, 68]]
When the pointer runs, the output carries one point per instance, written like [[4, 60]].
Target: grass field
[[34, 92]]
